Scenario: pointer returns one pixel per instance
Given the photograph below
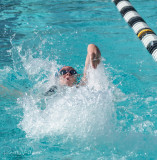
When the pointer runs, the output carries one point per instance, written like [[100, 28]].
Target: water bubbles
[[81, 112]]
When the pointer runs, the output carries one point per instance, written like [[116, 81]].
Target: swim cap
[[57, 73]]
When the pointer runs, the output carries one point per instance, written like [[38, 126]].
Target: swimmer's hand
[[93, 56], [93, 59]]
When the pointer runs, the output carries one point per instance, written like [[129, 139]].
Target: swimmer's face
[[67, 76]]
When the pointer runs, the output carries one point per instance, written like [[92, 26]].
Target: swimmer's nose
[[68, 73]]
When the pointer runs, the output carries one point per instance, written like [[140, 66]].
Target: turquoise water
[[113, 117]]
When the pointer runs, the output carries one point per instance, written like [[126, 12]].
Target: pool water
[[113, 117]]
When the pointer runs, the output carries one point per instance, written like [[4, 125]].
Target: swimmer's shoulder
[[55, 89], [52, 90]]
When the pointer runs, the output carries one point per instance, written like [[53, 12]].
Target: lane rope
[[139, 26]]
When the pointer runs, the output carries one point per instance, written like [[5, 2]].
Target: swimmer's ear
[[57, 73]]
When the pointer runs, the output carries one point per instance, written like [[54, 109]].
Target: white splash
[[86, 111]]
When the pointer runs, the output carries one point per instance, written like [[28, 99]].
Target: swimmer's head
[[67, 76]]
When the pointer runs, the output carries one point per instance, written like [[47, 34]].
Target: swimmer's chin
[[67, 84]]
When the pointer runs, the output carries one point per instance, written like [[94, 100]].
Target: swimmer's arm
[[4, 91], [93, 58]]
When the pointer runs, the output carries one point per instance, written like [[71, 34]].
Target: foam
[[83, 112]]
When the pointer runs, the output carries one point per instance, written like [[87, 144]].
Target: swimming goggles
[[64, 71]]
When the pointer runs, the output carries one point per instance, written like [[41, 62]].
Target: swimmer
[[68, 75]]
